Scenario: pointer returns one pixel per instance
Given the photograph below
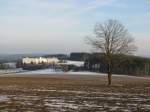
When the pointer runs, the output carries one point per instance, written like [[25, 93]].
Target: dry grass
[[70, 93]]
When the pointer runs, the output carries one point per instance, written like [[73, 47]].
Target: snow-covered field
[[46, 71], [57, 72], [43, 71], [73, 93], [82, 102], [7, 71]]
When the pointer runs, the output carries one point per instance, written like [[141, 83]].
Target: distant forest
[[131, 65]]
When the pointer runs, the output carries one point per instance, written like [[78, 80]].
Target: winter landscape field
[[74, 55], [82, 92]]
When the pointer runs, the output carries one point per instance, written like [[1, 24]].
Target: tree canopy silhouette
[[111, 38]]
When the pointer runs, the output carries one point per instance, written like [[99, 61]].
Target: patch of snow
[[139, 99], [92, 105], [59, 103], [7, 71], [146, 107], [113, 98], [68, 91], [84, 73], [118, 103], [44, 90], [44, 71], [114, 108], [129, 76], [132, 104], [3, 98], [63, 91], [59, 72]]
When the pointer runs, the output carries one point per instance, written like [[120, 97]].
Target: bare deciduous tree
[[112, 38]]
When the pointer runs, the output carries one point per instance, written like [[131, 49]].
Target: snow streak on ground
[[8, 71], [76, 101], [74, 94], [57, 71], [47, 71]]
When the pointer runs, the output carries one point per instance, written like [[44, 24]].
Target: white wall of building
[[40, 60]]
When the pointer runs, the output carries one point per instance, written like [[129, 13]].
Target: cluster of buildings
[[40, 60], [50, 61]]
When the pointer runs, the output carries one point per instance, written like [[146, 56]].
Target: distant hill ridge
[[75, 56]]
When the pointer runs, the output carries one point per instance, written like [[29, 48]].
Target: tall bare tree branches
[[112, 38]]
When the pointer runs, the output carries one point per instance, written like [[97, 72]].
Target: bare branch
[[112, 38]]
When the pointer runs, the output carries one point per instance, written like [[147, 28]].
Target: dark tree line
[[130, 65]]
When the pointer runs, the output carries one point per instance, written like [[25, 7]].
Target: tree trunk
[[109, 78], [109, 72]]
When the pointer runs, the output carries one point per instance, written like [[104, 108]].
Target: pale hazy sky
[[60, 26]]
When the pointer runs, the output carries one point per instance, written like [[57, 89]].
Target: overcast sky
[[60, 26]]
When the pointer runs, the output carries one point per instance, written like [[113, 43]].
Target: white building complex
[[40, 60]]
